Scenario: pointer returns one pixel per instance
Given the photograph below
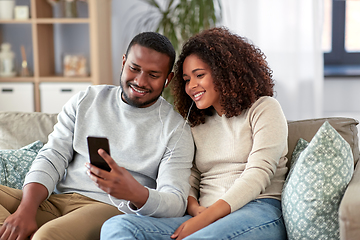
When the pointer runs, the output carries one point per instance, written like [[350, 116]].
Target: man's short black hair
[[157, 42]]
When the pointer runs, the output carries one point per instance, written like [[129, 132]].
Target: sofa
[[18, 129]]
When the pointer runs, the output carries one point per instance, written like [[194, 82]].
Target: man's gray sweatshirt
[[154, 144]]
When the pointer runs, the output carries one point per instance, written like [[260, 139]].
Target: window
[[341, 37]]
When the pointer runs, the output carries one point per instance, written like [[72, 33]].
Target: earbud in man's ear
[[166, 82]]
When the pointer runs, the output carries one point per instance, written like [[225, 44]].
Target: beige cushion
[[20, 129], [306, 129]]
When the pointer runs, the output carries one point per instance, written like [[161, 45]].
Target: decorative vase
[[70, 8], [7, 61], [7, 9]]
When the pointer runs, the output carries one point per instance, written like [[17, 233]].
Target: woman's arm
[[193, 207], [209, 215]]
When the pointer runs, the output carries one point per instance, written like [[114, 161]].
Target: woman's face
[[199, 84]]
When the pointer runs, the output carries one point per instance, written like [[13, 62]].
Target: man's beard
[[133, 102]]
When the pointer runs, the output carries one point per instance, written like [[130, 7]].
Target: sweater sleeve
[[269, 144], [194, 180]]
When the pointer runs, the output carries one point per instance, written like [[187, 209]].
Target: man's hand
[[18, 226], [22, 223], [118, 182]]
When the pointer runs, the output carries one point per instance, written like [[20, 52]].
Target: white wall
[[125, 15], [340, 97]]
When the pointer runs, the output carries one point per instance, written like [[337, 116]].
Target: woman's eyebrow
[[195, 70]]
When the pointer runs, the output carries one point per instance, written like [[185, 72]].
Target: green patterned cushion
[[315, 186], [16, 163], [300, 146]]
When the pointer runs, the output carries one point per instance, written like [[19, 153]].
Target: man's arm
[[22, 223]]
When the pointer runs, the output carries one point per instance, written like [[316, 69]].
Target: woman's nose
[[192, 83]]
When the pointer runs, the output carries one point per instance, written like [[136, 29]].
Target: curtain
[[289, 33]]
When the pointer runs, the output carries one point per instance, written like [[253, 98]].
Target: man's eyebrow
[[138, 66], [135, 64]]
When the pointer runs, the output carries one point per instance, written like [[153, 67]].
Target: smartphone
[[94, 144]]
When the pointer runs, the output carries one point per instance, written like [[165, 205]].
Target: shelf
[[47, 38], [46, 79], [28, 21], [62, 20], [16, 79], [65, 79]]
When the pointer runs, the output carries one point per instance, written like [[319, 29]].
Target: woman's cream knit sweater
[[241, 158]]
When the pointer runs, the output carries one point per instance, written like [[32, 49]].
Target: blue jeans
[[259, 219]]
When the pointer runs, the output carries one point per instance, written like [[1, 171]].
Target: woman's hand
[[190, 226], [193, 207], [211, 214]]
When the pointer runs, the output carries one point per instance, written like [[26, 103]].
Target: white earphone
[[166, 81]]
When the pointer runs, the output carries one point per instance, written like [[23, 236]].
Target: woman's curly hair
[[239, 71]]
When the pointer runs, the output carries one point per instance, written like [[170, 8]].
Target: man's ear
[[169, 78], [123, 60]]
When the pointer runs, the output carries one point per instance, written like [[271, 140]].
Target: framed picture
[[75, 66], [21, 12]]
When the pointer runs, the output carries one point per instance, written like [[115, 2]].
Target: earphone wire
[[162, 124], [117, 206], [171, 150]]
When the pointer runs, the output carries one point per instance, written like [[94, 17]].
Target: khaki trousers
[[61, 216]]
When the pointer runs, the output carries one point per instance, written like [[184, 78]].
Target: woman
[[240, 134]]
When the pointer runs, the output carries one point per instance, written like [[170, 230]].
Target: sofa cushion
[[14, 164], [20, 129], [315, 185], [306, 129]]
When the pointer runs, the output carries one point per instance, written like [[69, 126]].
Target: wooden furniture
[[42, 25]]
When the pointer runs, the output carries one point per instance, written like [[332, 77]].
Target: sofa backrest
[[306, 129], [17, 129]]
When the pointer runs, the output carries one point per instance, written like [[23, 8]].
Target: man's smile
[[137, 89]]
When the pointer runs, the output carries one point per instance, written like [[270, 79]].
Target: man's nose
[[141, 79]]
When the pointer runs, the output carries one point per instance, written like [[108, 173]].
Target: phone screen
[[94, 144]]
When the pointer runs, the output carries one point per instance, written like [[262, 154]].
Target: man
[[151, 153]]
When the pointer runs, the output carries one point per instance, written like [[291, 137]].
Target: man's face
[[143, 75]]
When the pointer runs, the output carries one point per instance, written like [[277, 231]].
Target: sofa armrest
[[349, 210]]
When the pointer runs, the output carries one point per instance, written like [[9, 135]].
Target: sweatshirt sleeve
[[52, 160], [269, 144], [169, 199]]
